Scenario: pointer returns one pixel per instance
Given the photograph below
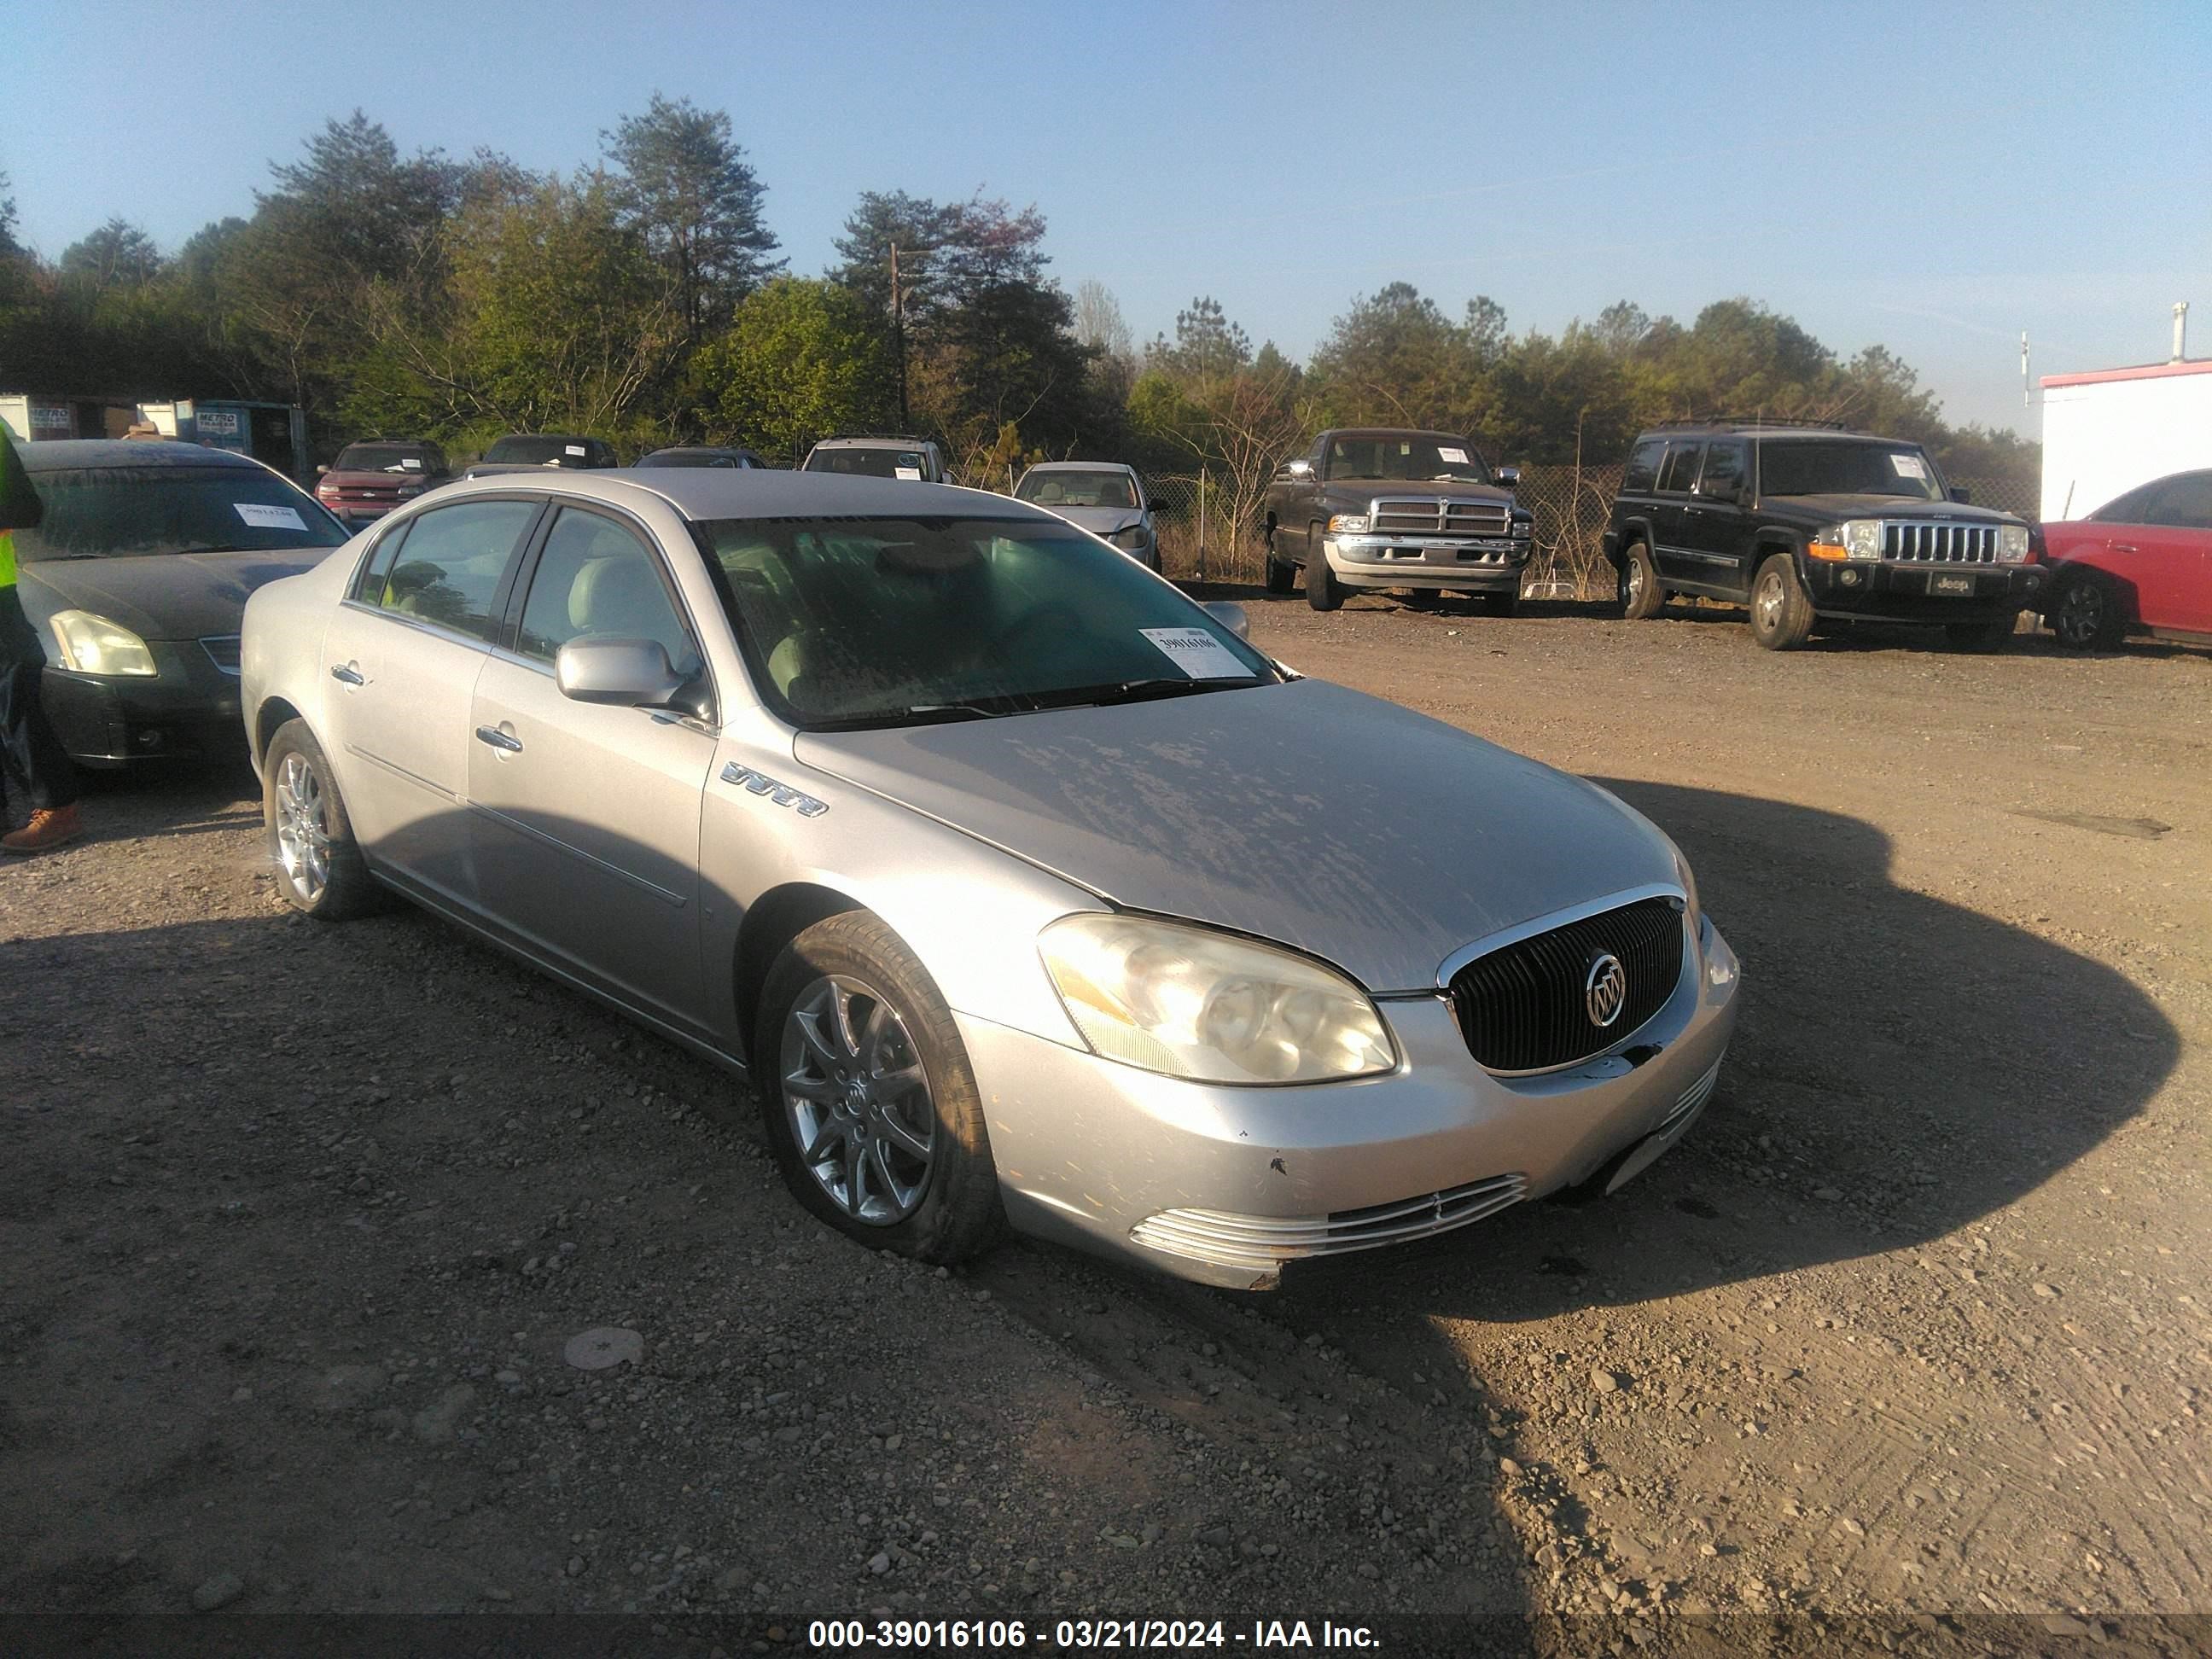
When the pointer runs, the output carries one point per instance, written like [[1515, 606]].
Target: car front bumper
[[1893, 592], [1489, 564], [188, 709], [1225, 1185]]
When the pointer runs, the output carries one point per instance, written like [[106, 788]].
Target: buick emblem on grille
[[1605, 990]]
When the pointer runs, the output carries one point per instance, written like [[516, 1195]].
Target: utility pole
[[898, 336]]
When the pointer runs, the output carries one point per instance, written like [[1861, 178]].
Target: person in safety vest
[[34, 768]]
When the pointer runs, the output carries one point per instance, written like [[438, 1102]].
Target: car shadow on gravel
[[1903, 1067]]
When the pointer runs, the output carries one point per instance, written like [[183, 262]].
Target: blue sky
[[1933, 178]]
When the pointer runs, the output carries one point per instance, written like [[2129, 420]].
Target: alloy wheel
[[1769, 601], [2080, 614], [303, 842], [857, 1099], [1632, 583]]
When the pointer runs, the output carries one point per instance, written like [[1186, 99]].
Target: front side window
[[1681, 469], [1723, 471], [596, 580], [1113, 490], [885, 621], [1642, 474], [1411, 458], [137, 512], [1843, 466], [2128, 509], [445, 567]]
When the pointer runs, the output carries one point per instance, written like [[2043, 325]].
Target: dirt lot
[[299, 1220]]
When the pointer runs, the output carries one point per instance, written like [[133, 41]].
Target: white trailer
[[2107, 431]]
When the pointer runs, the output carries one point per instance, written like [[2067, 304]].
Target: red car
[[369, 478], [2141, 564]]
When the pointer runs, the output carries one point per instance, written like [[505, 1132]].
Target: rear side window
[[595, 579], [447, 569], [1681, 469], [1723, 469], [1643, 475], [2184, 502]]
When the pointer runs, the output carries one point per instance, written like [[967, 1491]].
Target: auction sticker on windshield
[[1451, 456], [1909, 466], [1197, 653], [269, 518]]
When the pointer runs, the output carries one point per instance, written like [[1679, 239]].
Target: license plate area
[[1958, 585]]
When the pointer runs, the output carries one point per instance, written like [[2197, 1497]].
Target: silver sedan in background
[[1022, 888]]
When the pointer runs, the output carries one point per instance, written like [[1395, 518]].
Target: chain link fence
[[1202, 540]]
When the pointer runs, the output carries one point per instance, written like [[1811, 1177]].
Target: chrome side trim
[[1513, 935]]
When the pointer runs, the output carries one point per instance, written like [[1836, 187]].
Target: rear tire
[[1978, 636], [1641, 597], [2086, 615], [319, 869], [1500, 604], [1323, 591], [1781, 611], [1281, 577], [855, 1049]]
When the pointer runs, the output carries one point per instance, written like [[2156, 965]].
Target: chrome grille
[[1262, 1240], [1524, 1007], [1919, 542], [222, 651], [1429, 516]]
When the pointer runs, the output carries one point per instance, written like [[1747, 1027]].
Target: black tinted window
[[447, 570], [1643, 476], [1723, 471], [129, 512], [528, 451], [2128, 509], [2184, 502], [1681, 469], [389, 458], [596, 579]]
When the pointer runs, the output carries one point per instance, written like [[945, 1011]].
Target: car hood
[[373, 477], [1410, 489], [1353, 829], [1835, 508], [161, 596], [1099, 520]]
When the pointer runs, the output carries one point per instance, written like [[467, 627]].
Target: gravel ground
[[301, 1219]]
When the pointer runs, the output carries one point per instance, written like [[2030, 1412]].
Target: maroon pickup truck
[[369, 478]]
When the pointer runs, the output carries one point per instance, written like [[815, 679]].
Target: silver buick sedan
[[1023, 890]]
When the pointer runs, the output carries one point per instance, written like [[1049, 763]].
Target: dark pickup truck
[[1377, 506], [527, 452], [1810, 523]]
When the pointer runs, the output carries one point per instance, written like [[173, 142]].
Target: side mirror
[[1298, 470], [1231, 617], [1509, 476], [320, 471], [1960, 493], [626, 673]]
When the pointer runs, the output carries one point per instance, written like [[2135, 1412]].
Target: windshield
[[1406, 458], [870, 462], [130, 512], [388, 458], [888, 622], [539, 452], [693, 457], [1800, 466], [1078, 489]]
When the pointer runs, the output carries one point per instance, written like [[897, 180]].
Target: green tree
[[119, 254], [1394, 357], [680, 180], [797, 360]]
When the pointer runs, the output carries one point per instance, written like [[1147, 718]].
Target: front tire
[[870, 1103], [2086, 615], [1641, 597], [1323, 591], [1781, 610], [319, 868]]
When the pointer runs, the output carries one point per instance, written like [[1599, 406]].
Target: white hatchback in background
[[1104, 497]]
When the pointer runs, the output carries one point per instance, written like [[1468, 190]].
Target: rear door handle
[[505, 742], [348, 674], [2123, 547]]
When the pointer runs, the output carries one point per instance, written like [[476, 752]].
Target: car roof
[[701, 449], [1080, 466], [1386, 432], [878, 441], [58, 454], [1764, 431], [709, 492]]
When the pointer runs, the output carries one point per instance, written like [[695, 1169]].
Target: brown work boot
[[49, 827]]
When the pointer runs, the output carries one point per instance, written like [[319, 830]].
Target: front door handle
[[348, 674], [505, 742], [2123, 547]]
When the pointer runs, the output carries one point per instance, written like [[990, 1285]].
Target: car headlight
[[1689, 880], [1523, 527], [1134, 536], [1348, 524], [1855, 538], [94, 645], [1209, 1007], [2012, 543]]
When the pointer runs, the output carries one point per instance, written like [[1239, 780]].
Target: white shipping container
[[2106, 432]]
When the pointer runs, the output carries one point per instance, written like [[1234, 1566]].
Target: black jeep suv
[[1802, 522]]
